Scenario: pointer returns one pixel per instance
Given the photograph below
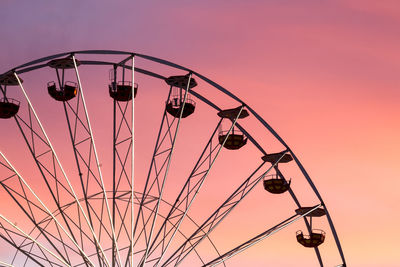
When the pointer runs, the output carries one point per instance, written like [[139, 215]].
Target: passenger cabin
[[122, 91], [317, 236], [176, 101], [174, 107], [276, 185], [65, 94], [8, 108], [236, 139]]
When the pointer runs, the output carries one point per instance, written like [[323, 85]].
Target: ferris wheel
[[139, 192]]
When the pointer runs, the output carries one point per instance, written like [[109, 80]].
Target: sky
[[323, 74]]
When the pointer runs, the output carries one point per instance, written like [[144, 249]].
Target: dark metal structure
[[95, 226]]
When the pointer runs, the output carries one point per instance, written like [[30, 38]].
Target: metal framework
[[121, 226]]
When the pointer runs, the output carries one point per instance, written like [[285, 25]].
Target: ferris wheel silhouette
[[82, 217]]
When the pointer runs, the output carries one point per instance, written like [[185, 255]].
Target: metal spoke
[[32, 239], [173, 226], [292, 194], [6, 264], [45, 207], [98, 166], [133, 161], [219, 214], [166, 170], [42, 230], [83, 163], [28, 211], [193, 185], [26, 253], [259, 238], [123, 148], [55, 158], [157, 174]]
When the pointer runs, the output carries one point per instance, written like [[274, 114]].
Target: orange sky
[[324, 74]]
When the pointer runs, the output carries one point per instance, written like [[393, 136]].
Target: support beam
[[182, 107], [219, 214], [100, 175], [133, 160], [192, 186], [46, 208], [258, 238], [83, 164], [55, 157], [26, 253], [33, 240]]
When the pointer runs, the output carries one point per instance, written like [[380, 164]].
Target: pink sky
[[324, 74]]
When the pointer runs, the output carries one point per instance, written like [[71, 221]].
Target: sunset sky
[[323, 73]]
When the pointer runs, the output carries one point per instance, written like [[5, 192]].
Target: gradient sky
[[324, 74]]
